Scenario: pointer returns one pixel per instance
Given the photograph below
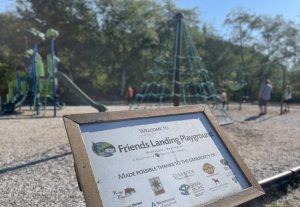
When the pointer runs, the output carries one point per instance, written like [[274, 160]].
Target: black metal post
[[283, 89], [176, 84]]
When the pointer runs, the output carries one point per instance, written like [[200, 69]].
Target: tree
[[130, 34], [242, 25], [278, 42], [78, 28], [12, 47], [275, 45]]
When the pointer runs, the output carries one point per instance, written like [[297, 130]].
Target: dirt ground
[[36, 166]]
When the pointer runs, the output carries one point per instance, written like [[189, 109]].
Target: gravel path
[[36, 167], [269, 144]]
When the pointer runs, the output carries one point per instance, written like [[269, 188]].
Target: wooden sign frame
[[85, 173]]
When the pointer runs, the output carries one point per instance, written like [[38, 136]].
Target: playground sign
[[165, 157]]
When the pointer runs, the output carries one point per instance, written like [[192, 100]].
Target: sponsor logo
[[228, 168], [224, 162], [208, 168], [184, 189], [124, 193], [103, 149], [184, 174], [195, 188], [216, 181], [156, 186]]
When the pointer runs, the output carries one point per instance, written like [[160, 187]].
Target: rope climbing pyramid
[[179, 77]]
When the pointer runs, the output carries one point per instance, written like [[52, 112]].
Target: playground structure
[[181, 77], [31, 87], [39, 86]]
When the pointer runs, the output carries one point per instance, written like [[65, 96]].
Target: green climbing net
[[195, 84]]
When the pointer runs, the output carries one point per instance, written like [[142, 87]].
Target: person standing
[[224, 99], [130, 93], [264, 96], [287, 99]]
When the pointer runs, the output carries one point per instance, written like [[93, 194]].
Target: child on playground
[[130, 93], [224, 100], [287, 96]]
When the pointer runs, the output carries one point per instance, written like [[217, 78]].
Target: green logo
[[103, 149]]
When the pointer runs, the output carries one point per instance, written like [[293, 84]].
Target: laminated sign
[[177, 157]]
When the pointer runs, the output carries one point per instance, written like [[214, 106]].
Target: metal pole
[[283, 88], [19, 81], [33, 69], [19, 84], [35, 86], [176, 84], [53, 77]]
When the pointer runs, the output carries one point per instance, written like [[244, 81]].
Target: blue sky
[[215, 11], [6, 5]]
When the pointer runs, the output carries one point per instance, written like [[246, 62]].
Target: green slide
[[15, 103], [65, 80]]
